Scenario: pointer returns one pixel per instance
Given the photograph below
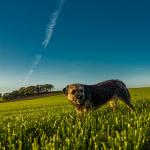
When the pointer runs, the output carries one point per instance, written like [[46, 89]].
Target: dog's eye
[[73, 91], [81, 90]]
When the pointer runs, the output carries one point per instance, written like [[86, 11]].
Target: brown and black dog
[[88, 97]]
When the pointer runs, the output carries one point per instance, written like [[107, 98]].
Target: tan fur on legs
[[114, 104], [81, 112]]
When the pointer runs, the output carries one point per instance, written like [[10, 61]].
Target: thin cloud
[[28, 75], [37, 60], [38, 57], [52, 24], [49, 32]]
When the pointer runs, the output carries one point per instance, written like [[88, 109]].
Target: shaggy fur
[[86, 97]]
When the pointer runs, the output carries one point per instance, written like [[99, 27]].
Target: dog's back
[[115, 89], [112, 83]]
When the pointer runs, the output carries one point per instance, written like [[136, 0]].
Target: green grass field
[[145, 92], [51, 123]]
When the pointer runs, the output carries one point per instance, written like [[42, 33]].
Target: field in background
[[51, 101], [140, 91], [51, 123]]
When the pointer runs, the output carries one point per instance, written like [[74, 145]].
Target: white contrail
[[28, 75], [38, 57], [49, 32], [52, 24]]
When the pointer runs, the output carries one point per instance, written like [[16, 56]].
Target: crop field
[[51, 123], [0, 99]]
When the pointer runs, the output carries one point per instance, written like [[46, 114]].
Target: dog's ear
[[65, 91]]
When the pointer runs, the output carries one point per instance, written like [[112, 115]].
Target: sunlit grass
[[52, 123], [39, 102]]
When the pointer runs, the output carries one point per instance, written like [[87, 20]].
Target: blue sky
[[91, 42]]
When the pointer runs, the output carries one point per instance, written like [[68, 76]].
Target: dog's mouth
[[77, 101]]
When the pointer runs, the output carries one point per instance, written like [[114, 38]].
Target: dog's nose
[[79, 96]]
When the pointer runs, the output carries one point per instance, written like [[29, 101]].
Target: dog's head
[[75, 93]]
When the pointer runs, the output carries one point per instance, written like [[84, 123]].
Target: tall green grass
[[52, 123]]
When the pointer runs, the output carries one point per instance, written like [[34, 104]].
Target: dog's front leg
[[81, 111]]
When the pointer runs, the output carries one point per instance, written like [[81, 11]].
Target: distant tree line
[[24, 92]]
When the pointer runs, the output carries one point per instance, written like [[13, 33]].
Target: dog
[[90, 97]]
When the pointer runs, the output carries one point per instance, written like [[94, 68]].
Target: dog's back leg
[[128, 103], [124, 96]]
